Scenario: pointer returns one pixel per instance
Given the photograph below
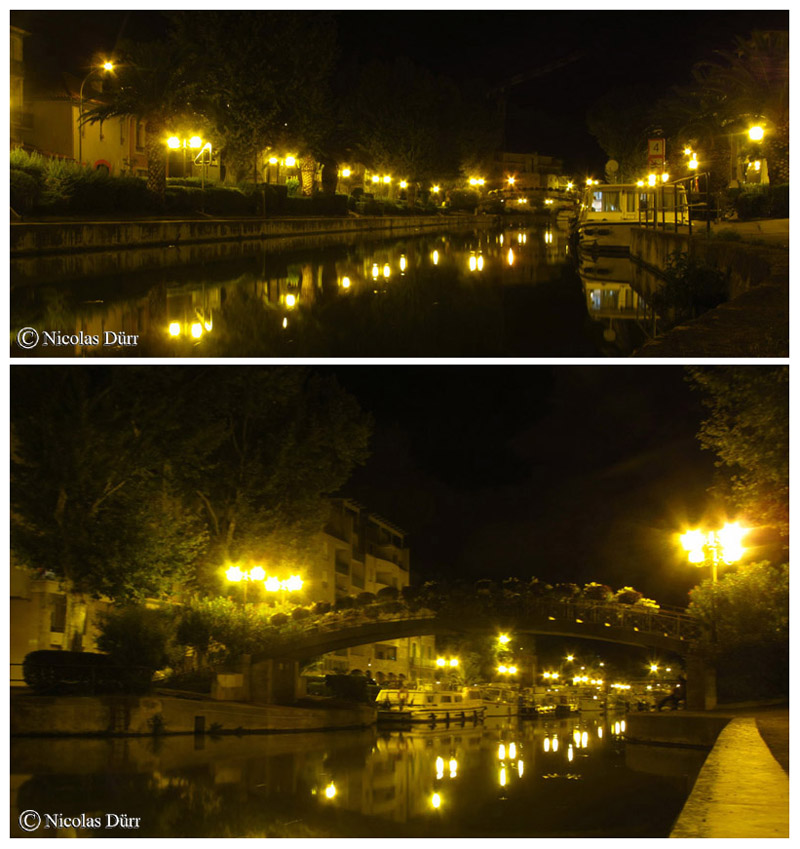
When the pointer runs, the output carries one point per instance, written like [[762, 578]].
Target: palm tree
[[155, 86], [752, 84]]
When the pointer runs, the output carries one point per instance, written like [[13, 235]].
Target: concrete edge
[[741, 790]]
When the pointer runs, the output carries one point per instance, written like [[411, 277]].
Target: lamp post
[[258, 575], [715, 547], [107, 66]]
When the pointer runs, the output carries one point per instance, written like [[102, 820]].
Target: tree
[[262, 457], [261, 81], [155, 84], [92, 499], [620, 120], [748, 430]]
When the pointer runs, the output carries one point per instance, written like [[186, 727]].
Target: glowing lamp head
[[272, 585], [453, 661], [435, 190], [291, 301], [440, 661], [345, 282], [403, 184], [173, 142], [345, 172], [195, 142], [196, 330], [174, 328], [387, 179], [330, 791], [651, 179], [512, 180], [504, 639], [756, 133], [257, 573], [293, 584], [693, 163], [436, 800], [512, 670], [730, 538], [273, 160], [502, 669], [376, 178], [234, 573], [290, 161], [108, 66]]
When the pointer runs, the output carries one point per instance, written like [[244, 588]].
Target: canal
[[546, 778], [510, 290]]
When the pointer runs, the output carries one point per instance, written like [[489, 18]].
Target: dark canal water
[[505, 291], [548, 778]]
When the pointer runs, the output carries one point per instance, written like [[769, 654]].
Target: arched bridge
[[671, 629]]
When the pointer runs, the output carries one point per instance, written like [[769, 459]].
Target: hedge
[[60, 672], [24, 190]]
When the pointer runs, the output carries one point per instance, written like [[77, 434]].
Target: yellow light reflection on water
[[473, 263], [480, 263], [345, 282], [436, 800], [453, 767], [584, 739], [386, 270], [512, 750], [547, 744], [570, 753], [520, 768], [600, 732], [174, 328], [402, 263], [375, 271], [330, 790], [291, 301], [501, 752], [435, 257], [510, 257], [555, 742], [502, 776]]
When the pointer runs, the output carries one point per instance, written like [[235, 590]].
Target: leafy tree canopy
[[748, 429]]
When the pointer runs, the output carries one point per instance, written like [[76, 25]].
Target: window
[[139, 136], [446, 700], [58, 615]]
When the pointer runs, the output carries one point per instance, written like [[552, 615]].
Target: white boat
[[431, 706], [609, 212], [499, 700]]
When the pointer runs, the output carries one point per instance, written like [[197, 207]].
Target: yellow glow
[[345, 172], [473, 263], [510, 256], [345, 282], [402, 263], [375, 271], [272, 585], [640, 183], [502, 669], [730, 538], [547, 744], [570, 186], [376, 178], [257, 573], [664, 177], [570, 657], [273, 160], [480, 263], [285, 323], [576, 736], [693, 540], [453, 661], [501, 752], [386, 270], [387, 179], [440, 765], [757, 165], [693, 164], [209, 325], [622, 726], [502, 776], [473, 181], [511, 180], [504, 639], [234, 573], [555, 675], [435, 190], [548, 237], [453, 767], [653, 667], [570, 753], [330, 790], [697, 556], [501, 240], [481, 181], [520, 768], [174, 328], [440, 661], [687, 151], [196, 329], [588, 181], [108, 66], [435, 257], [403, 184], [585, 739], [651, 179], [555, 743], [173, 142], [512, 751], [290, 161], [195, 142], [293, 583], [436, 800], [756, 133], [512, 670], [600, 732], [291, 301]]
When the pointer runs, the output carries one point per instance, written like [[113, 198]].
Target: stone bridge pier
[[275, 681], [701, 684]]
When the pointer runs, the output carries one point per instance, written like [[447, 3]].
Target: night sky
[[568, 473], [605, 48]]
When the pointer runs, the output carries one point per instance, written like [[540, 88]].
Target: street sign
[[656, 153]]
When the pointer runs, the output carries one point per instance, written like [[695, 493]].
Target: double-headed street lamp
[[257, 574], [106, 66], [715, 547]]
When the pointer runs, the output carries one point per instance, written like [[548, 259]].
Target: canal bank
[[743, 787], [67, 236], [754, 322], [157, 714]]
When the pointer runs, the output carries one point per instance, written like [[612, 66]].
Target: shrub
[[779, 200], [627, 595], [690, 289], [59, 672], [728, 234], [597, 592], [347, 687], [24, 190], [300, 613], [321, 607], [344, 603], [137, 636], [752, 205], [275, 198], [278, 619], [185, 199], [387, 593], [363, 599], [292, 186], [221, 200], [33, 164], [463, 200], [392, 607]]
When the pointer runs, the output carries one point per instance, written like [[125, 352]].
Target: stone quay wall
[[29, 238]]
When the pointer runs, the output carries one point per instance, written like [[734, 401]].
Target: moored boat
[[400, 706]]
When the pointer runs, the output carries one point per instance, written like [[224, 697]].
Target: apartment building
[[362, 552]]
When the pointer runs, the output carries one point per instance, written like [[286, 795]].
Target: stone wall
[[65, 236]]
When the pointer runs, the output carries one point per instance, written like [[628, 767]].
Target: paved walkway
[[743, 787]]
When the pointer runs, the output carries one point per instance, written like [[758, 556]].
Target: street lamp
[[715, 547], [756, 133], [106, 66]]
